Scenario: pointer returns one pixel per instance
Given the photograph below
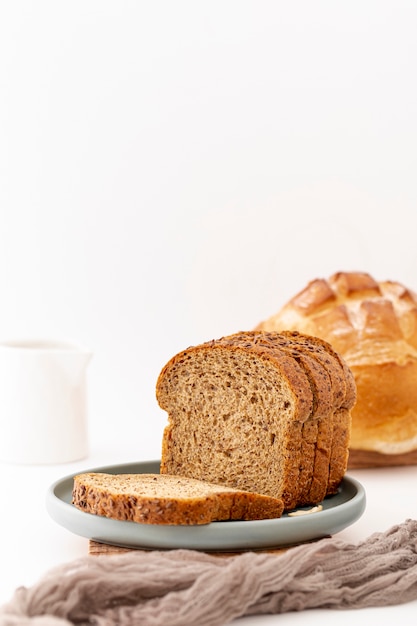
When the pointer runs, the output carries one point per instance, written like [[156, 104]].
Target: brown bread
[[317, 431], [254, 411], [344, 401], [165, 499]]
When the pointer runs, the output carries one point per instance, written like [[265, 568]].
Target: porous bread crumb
[[166, 499]]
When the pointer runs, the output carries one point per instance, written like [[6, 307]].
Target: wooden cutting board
[[99, 549], [362, 459]]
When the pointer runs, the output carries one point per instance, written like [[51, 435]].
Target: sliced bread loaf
[[315, 474], [344, 399], [254, 411], [166, 499], [319, 422]]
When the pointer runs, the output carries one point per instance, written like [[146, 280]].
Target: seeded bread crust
[[167, 500], [226, 427], [316, 486], [344, 401], [312, 483]]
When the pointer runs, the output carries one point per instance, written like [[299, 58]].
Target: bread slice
[[310, 490], [236, 410], [166, 499], [344, 400], [315, 471], [247, 411]]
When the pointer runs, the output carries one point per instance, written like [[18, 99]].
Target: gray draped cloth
[[186, 587]]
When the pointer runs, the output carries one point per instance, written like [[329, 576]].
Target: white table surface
[[32, 543]]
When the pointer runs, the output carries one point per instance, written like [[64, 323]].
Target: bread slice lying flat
[[166, 499]]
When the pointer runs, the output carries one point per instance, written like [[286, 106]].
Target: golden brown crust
[[373, 326]]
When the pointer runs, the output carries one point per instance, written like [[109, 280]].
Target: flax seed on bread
[[254, 411], [318, 423], [165, 499], [321, 377], [344, 400]]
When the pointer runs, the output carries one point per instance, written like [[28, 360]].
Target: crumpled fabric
[[187, 587]]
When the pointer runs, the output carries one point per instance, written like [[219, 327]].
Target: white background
[[174, 171]]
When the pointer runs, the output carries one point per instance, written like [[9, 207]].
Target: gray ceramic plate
[[339, 511]]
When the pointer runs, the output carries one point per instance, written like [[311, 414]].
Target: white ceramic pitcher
[[43, 403]]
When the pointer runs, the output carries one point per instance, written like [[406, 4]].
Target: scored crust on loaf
[[169, 500], [249, 410], [373, 326]]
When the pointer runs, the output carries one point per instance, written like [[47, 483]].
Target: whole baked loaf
[[373, 325], [264, 412], [175, 500]]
